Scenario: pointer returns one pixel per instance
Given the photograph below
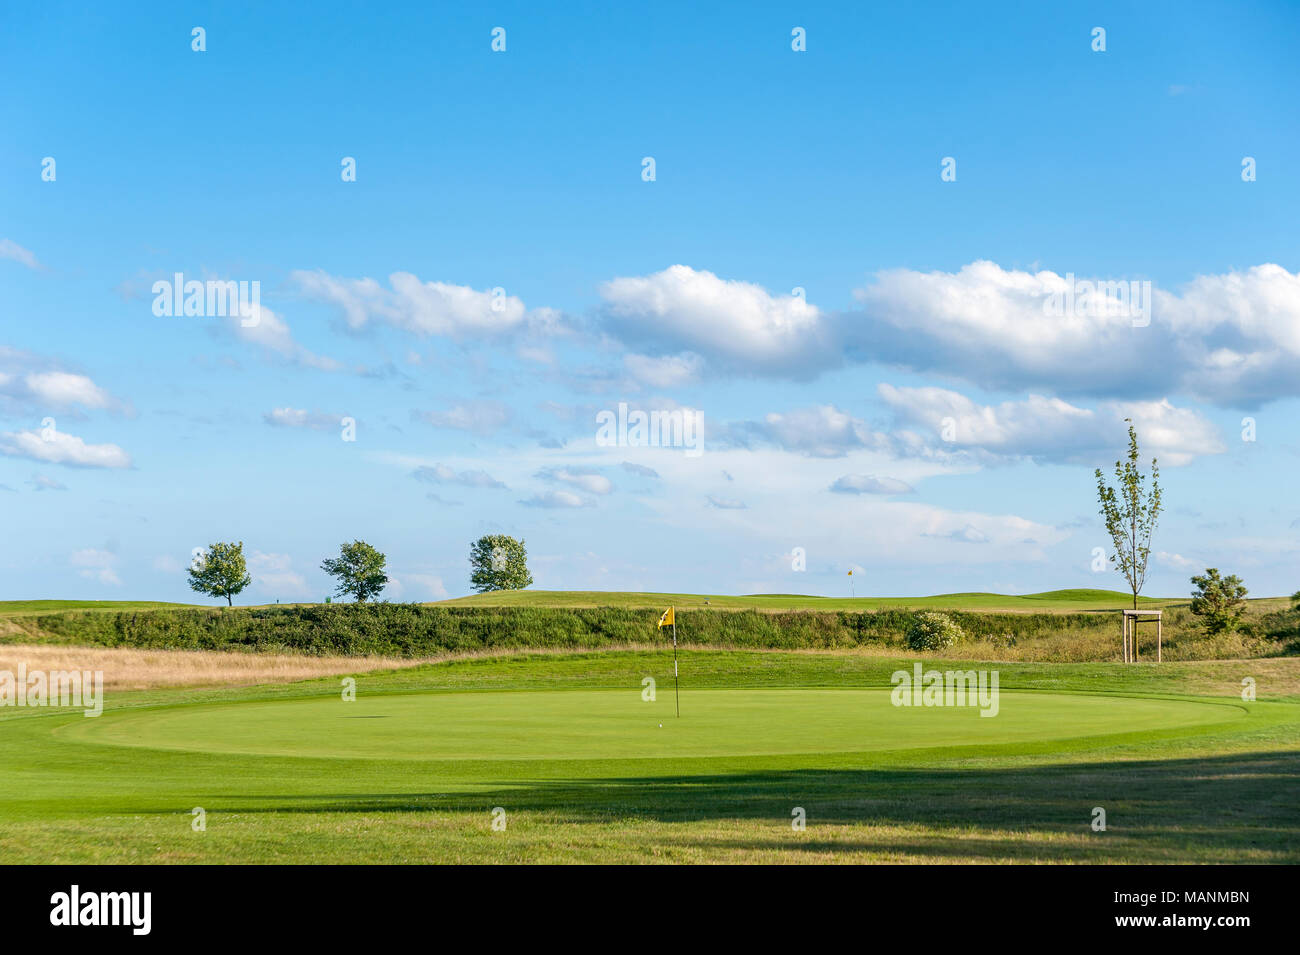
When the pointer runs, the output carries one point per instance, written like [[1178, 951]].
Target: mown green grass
[[1064, 600], [14, 608], [1221, 791]]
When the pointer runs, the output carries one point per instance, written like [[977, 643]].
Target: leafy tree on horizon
[[1130, 512], [498, 562], [359, 569], [220, 571], [1220, 600]]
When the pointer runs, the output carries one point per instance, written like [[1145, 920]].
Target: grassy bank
[[421, 630]]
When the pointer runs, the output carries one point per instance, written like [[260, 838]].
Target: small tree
[[1295, 600], [1130, 513], [359, 569], [498, 562], [1220, 600], [220, 571]]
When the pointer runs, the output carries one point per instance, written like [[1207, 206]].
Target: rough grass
[[130, 669]]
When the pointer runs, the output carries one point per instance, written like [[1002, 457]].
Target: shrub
[[933, 631], [1220, 600]]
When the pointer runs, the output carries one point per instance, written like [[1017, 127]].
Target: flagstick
[[676, 690]]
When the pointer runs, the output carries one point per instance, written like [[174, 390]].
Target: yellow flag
[[667, 619]]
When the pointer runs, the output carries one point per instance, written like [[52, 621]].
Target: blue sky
[[522, 171]]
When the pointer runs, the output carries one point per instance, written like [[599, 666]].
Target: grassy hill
[[1067, 601], [1064, 601], [16, 608]]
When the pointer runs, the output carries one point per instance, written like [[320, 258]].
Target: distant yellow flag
[[667, 619], [850, 573]]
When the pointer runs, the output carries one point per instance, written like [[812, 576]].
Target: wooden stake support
[[1129, 630]]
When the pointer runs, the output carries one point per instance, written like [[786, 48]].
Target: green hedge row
[[413, 630]]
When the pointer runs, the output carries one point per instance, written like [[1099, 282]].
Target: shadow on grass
[[1222, 808]]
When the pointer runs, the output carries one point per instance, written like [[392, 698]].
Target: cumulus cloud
[[586, 479], [32, 382], [441, 474], [266, 330], [734, 326], [61, 389], [1049, 429], [823, 431], [59, 447], [1232, 338], [669, 371], [870, 484], [424, 308]]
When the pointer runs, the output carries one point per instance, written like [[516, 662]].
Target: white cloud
[[670, 371], [823, 432], [61, 389], [299, 418], [429, 584], [9, 249], [585, 479], [59, 447], [38, 383], [266, 330], [1049, 429], [167, 564], [96, 565], [1178, 561], [734, 326], [970, 534], [1232, 338], [425, 308], [274, 574]]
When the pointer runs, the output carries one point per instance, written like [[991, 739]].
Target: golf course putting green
[[615, 724]]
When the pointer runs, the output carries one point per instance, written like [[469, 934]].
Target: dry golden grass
[[128, 669]]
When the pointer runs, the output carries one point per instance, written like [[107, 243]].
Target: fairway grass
[[567, 748]]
